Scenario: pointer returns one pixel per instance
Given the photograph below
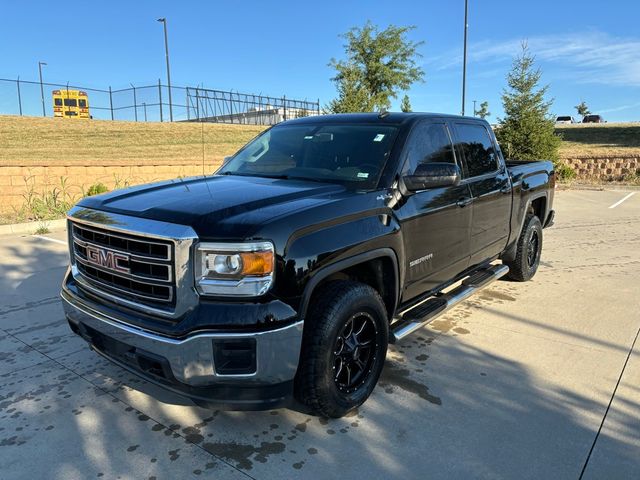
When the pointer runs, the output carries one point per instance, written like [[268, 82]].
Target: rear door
[[436, 222], [490, 187]]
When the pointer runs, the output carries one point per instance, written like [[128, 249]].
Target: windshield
[[348, 154]]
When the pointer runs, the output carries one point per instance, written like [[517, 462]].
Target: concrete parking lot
[[534, 380]]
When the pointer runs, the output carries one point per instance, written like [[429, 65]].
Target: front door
[[436, 222]]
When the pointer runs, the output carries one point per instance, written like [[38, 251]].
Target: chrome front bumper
[[191, 359]]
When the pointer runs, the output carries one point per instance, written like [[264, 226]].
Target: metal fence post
[[144, 106], [284, 106], [318, 106], [186, 102], [160, 97], [110, 101], [19, 96], [135, 103], [197, 104]]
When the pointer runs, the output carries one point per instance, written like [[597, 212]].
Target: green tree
[[352, 95], [378, 64], [583, 109], [527, 131], [484, 110], [405, 106]]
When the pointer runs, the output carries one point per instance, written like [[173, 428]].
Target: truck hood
[[217, 206]]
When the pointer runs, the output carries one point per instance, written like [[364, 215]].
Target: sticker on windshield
[[379, 137], [363, 175]]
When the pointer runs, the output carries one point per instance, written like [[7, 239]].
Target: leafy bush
[[96, 189], [564, 172]]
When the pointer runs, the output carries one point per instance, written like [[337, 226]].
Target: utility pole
[[474, 108], [40, 64], [166, 51], [464, 61]]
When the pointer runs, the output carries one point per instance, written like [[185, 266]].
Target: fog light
[[234, 356]]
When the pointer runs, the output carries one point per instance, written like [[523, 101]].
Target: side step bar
[[428, 311]]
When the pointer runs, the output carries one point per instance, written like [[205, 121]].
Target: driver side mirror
[[432, 175]]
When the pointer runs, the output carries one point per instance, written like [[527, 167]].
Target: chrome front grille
[[134, 268]]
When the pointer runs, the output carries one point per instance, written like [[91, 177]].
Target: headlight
[[234, 269]]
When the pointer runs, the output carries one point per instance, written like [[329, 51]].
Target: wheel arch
[[370, 268]]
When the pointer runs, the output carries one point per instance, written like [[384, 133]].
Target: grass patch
[[53, 141], [600, 140]]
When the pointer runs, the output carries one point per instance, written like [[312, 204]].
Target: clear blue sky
[[588, 50]]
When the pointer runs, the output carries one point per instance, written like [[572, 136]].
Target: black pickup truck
[[286, 273]]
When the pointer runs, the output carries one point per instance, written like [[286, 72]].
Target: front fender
[[313, 254]]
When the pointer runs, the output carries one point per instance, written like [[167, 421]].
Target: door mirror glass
[[432, 175]]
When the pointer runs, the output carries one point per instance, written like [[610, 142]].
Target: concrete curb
[[31, 227]]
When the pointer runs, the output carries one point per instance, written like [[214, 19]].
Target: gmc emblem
[[107, 259]]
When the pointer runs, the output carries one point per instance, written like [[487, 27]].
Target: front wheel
[[344, 348], [529, 248]]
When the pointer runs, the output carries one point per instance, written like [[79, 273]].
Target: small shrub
[[42, 229], [564, 172], [96, 189], [632, 177]]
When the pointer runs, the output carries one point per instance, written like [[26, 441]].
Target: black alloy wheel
[[355, 351]]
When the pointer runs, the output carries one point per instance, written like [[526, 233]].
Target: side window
[[478, 150], [429, 142]]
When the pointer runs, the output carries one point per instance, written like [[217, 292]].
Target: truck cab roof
[[387, 118]]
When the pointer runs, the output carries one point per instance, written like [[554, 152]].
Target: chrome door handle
[[463, 202]]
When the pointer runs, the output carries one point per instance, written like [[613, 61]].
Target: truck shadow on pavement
[[443, 409]]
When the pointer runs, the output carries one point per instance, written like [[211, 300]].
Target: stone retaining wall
[[71, 180], [610, 169]]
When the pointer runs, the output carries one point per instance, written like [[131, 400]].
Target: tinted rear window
[[477, 148]]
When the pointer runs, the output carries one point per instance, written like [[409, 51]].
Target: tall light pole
[[464, 60], [474, 107], [166, 51], [40, 64]]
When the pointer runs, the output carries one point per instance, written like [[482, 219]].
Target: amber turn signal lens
[[257, 263]]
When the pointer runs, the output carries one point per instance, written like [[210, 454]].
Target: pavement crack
[[613, 394]]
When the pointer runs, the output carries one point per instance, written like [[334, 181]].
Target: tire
[[335, 375], [528, 252]]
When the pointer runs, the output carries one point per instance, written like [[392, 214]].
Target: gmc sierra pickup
[[286, 273]]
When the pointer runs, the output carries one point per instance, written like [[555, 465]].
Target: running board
[[428, 311]]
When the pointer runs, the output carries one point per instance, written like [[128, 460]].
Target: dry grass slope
[[36, 141], [600, 140]]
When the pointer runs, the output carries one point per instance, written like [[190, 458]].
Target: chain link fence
[[150, 103]]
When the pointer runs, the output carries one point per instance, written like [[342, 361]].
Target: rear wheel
[[529, 248], [344, 347]]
